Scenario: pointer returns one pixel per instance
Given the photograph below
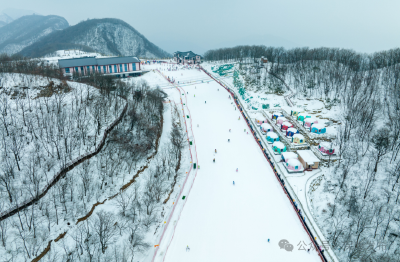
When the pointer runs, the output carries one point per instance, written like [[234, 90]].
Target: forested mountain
[[107, 36], [26, 30]]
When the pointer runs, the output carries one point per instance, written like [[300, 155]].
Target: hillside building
[[187, 57], [127, 66]]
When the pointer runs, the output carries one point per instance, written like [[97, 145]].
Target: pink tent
[[294, 165], [259, 121], [326, 148], [266, 127], [309, 121], [280, 120]]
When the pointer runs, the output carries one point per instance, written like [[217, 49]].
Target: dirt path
[[64, 171], [47, 249]]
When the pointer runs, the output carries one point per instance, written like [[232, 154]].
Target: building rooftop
[[188, 54], [88, 61], [308, 156]]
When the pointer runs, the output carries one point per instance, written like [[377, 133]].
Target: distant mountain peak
[[5, 18], [108, 36], [27, 30]]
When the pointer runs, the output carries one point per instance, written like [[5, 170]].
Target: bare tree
[[105, 229], [381, 143]]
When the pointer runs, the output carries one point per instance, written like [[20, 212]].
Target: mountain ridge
[[27, 30], [108, 36]]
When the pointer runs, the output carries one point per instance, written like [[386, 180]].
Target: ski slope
[[222, 221]]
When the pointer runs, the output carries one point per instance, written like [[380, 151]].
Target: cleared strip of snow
[[226, 222]]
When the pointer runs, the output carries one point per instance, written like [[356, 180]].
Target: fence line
[[187, 176]]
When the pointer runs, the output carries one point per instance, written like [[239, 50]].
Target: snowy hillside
[[27, 30], [106, 36]]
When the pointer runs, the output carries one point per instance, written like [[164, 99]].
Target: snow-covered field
[[222, 221]]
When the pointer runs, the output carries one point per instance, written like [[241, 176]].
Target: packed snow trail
[[222, 221]]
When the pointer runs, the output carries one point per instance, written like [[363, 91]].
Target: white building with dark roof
[[187, 57], [117, 66]]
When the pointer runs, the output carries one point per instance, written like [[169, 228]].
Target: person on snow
[[194, 95], [205, 102], [233, 182], [239, 118], [215, 150], [237, 169], [214, 160], [187, 248], [229, 130], [229, 140]]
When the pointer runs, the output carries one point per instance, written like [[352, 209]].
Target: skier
[[197, 125], [215, 150], [233, 182], [268, 240], [308, 251], [245, 130], [229, 140], [239, 118], [194, 95], [229, 130], [205, 102], [237, 169], [214, 160], [187, 248]]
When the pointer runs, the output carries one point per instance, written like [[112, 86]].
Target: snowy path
[[220, 221]]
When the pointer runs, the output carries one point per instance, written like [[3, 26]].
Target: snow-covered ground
[[222, 221]]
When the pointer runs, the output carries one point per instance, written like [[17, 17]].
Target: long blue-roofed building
[[127, 66]]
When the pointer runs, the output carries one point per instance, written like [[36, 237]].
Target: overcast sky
[[362, 25]]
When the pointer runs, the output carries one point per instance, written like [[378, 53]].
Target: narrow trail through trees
[[64, 170], [124, 187]]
